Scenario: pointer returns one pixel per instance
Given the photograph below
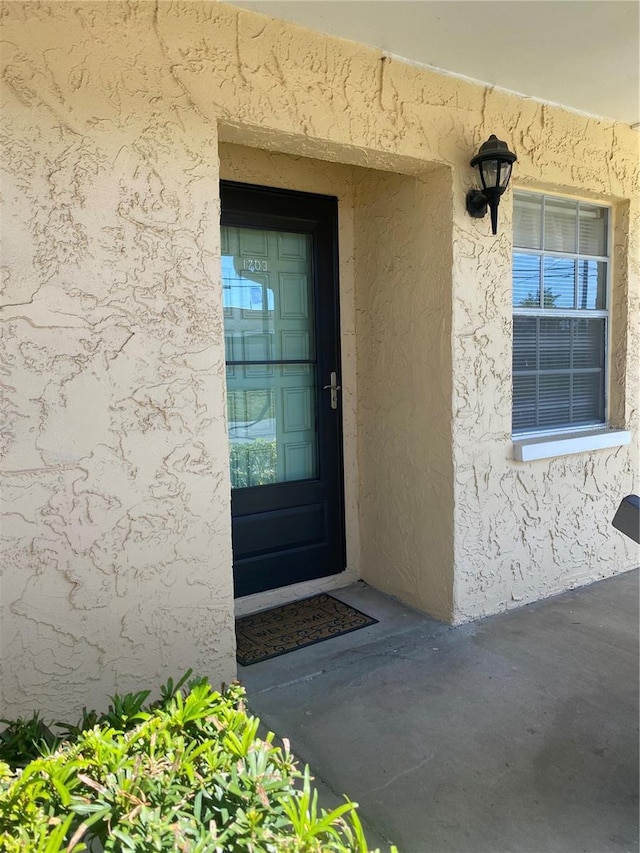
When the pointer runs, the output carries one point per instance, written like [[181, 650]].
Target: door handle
[[334, 388]]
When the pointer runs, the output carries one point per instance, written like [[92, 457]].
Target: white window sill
[[549, 446]]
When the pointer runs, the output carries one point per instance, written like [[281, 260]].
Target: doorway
[[280, 300]]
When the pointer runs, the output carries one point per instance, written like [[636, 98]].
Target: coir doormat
[[302, 623]]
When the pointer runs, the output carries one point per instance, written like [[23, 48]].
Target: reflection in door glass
[[270, 354]]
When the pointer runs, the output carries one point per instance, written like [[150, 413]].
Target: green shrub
[[187, 773], [23, 740]]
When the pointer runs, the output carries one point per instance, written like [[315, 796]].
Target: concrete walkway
[[515, 734]]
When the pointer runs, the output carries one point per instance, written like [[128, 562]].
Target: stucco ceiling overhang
[[581, 54]]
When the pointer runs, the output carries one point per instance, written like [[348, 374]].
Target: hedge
[[187, 773]]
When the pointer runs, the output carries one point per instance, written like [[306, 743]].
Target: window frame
[[540, 433]]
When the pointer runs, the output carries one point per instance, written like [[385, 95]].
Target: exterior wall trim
[[563, 444]]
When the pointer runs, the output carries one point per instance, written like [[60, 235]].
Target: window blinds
[[560, 318]]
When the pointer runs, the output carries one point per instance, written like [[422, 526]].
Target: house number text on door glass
[[254, 265]]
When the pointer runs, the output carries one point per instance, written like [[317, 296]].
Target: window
[[560, 316]]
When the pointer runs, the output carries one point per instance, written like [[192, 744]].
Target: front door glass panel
[[270, 355]]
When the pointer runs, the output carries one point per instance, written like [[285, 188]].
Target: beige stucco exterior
[[118, 120]]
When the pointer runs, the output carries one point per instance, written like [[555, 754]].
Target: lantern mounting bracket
[[476, 204]]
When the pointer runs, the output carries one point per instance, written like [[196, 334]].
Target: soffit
[[581, 54]]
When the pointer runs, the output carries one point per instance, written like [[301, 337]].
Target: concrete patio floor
[[514, 734]]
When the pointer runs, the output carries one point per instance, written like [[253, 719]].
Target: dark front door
[[280, 296]]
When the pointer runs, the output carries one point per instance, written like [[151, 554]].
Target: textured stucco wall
[[403, 286], [117, 569], [528, 530], [115, 572]]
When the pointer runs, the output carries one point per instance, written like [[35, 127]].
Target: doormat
[[274, 632]]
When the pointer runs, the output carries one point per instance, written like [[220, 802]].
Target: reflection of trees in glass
[[253, 464], [250, 407], [532, 301]]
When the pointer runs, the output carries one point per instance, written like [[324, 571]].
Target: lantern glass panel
[[489, 173], [505, 174]]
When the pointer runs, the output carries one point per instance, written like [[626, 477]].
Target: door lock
[[334, 388]]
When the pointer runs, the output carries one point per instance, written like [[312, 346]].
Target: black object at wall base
[[627, 517]]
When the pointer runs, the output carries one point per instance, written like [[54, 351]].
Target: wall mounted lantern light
[[493, 162]]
